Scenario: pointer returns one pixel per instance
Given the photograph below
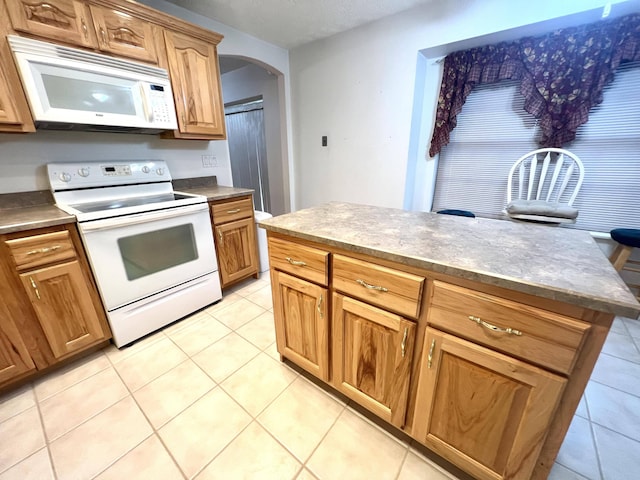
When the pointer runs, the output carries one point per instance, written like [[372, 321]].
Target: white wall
[[359, 88], [252, 81], [22, 157]]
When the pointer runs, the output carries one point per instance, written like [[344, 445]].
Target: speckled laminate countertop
[[551, 262], [208, 187], [28, 210]]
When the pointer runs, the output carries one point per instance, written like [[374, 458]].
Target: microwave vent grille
[[21, 45]]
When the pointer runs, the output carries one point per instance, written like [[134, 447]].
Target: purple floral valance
[[562, 75]]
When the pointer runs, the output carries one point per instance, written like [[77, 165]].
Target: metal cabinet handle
[[104, 35], [491, 327], [320, 307], [44, 250], [295, 262], [430, 357], [371, 287], [220, 236], [35, 287], [233, 211], [84, 29], [404, 341]]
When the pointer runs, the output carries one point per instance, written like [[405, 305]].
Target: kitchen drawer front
[[385, 287], [38, 250], [541, 337], [300, 260], [228, 211]]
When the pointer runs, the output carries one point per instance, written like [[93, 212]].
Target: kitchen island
[[474, 336]]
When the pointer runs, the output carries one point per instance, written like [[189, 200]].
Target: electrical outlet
[[209, 161]]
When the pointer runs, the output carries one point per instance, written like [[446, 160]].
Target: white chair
[[543, 185]]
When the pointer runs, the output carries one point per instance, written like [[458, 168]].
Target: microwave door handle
[[138, 218], [145, 103]]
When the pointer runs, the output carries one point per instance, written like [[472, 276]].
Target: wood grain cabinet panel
[[235, 239], [122, 34], [302, 323], [195, 80], [299, 260], [8, 110], [37, 250], [62, 303], [236, 247], [482, 410], [372, 354], [14, 356], [67, 21]]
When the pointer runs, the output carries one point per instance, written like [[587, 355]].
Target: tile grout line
[[614, 388], [597, 450], [47, 443], [404, 459]]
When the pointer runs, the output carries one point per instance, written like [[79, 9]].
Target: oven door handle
[[138, 218]]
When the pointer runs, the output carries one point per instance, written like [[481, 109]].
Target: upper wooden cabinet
[[122, 34], [8, 109], [195, 80], [64, 20]]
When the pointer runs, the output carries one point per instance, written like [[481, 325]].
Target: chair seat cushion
[[627, 236], [540, 207]]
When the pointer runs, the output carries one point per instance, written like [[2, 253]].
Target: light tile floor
[[207, 398]]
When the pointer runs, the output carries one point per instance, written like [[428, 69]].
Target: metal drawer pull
[[35, 287], [371, 287], [510, 330], [235, 210], [404, 341], [104, 35], [84, 29], [220, 235], [295, 262], [320, 307], [430, 357], [44, 250]]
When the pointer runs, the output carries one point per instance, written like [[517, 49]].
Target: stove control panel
[[69, 176]]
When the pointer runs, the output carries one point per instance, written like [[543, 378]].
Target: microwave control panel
[[160, 102]]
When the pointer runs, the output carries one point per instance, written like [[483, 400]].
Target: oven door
[[138, 255]]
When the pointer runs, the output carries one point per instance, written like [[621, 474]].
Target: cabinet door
[[372, 352], [62, 303], [8, 110], [483, 411], [195, 80], [302, 323], [236, 247], [14, 356], [123, 34], [64, 20]]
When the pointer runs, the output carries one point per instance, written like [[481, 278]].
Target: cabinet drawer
[[232, 210], [300, 260], [385, 287], [38, 250], [541, 337]]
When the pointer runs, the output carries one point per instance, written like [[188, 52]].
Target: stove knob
[[146, 169], [160, 171], [83, 172], [65, 177]]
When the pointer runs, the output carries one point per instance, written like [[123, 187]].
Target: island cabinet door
[[483, 411], [302, 326], [372, 352], [64, 308]]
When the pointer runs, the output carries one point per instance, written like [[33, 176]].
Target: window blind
[[494, 131]]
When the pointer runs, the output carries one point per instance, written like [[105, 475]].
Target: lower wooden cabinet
[[302, 323], [62, 303], [482, 410], [15, 360], [50, 309], [372, 354], [234, 232], [236, 243]]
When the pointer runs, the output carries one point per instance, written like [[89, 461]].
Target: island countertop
[[551, 262]]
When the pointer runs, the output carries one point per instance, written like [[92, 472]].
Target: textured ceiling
[[290, 23]]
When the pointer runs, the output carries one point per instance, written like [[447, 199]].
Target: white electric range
[[150, 248]]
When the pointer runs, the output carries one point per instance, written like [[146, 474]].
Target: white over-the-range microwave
[[74, 89]]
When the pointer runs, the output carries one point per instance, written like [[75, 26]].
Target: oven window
[[151, 252]]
